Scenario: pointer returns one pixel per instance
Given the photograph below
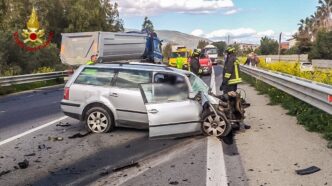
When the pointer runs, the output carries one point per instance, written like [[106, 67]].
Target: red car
[[206, 64]]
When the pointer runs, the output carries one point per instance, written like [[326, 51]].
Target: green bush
[[322, 48], [311, 118]]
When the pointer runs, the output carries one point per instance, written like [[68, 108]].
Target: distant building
[[284, 45], [247, 46], [292, 42]]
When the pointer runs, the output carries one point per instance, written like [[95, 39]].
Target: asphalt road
[[24, 111], [267, 154]]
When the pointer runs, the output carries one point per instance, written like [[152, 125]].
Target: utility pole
[[228, 39], [279, 50]]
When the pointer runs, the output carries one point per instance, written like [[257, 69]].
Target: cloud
[[236, 33], [197, 32], [248, 35], [153, 7], [233, 11], [268, 33]]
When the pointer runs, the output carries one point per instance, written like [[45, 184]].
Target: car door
[[171, 113], [127, 99]]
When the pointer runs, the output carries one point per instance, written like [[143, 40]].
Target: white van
[[212, 52]]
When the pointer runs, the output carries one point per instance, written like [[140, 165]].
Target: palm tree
[[325, 7], [301, 25]]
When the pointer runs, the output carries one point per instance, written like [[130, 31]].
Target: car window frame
[[91, 67], [138, 87]]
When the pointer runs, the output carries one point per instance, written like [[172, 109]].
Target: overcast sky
[[243, 20]]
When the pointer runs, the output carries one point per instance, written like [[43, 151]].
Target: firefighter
[[93, 60], [194, 62], [231, 75], [231, 78]]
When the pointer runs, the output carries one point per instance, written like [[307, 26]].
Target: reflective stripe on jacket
[[231, 70]]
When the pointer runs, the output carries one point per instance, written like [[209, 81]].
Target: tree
[[84, 16], [147, 25], [167, 51], [268, 46], [57, 16], [322, 48], [221, 45], [202, 44]]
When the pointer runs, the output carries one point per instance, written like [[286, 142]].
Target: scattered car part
[[79, 135], [63, 124], [32, 154], [309, 170], [4, 172], [24, 164], [55, 138]]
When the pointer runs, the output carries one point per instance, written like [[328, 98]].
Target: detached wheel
[[98, 120], [215, 125]]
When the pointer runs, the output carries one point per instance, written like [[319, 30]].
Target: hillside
[[179, 38]]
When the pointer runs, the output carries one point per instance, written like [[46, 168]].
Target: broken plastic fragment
[[306, 171]]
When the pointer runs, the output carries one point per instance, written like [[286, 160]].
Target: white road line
[[213, 82], [216, 169], [31, 131]]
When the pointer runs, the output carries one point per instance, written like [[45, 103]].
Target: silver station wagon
[[144, 96]]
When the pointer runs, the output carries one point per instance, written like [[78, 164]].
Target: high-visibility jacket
[[231, 74], [90, 62], [179, 62]]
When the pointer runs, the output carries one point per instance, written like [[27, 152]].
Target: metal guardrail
[[316, 94], [30, 78]]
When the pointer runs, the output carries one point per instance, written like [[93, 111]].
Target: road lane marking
[[213, 82], [31, 131], [216, 168]]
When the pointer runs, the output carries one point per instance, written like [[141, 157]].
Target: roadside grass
[[29, 86], [313, 119]]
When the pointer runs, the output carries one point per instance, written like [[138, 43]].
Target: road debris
[[125, 166], [4, 172], [174, 183], [43, 146], [309, 170], [55, 138], [79, 135], [32, 154], [63, 124], [24, 164]]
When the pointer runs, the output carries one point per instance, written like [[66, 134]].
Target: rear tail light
[[66, 93]]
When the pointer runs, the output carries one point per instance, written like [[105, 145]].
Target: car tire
[[215, 126], [98, 120]]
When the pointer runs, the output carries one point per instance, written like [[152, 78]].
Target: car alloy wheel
[[215, 125], [97, 122]]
